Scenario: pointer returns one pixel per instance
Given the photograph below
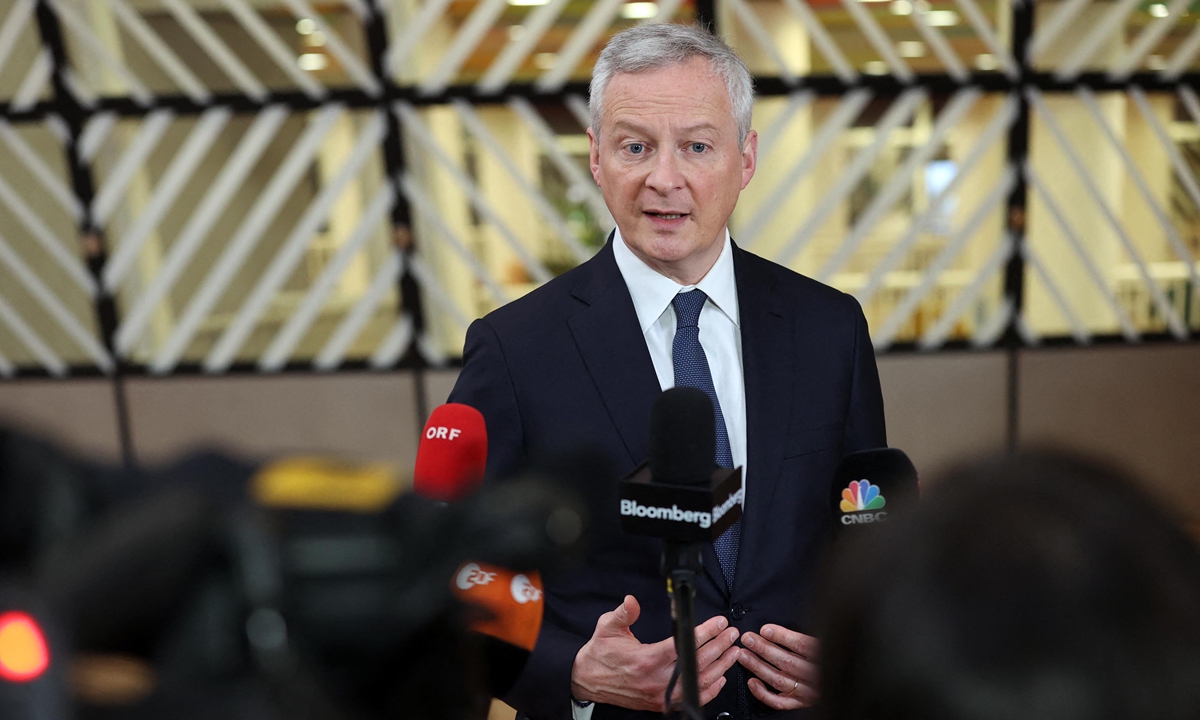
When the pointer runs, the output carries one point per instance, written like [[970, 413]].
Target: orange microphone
[[508, 605], [513, 601]]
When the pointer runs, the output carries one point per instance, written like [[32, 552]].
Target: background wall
[[1134, 406]]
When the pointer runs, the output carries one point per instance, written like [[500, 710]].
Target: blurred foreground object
[[1032, 587], [306, 589]]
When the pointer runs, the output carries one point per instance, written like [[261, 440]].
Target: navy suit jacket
[[567, 364]]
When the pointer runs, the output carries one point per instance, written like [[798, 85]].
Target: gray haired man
[[670, 300]]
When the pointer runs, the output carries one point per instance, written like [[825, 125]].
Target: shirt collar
[[652, 292]]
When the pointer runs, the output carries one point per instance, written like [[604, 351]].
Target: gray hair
[[650, 47]]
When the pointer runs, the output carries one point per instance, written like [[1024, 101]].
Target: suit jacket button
[[723, 716], [737, 612]]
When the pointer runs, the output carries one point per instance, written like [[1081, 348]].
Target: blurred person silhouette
[[1030, 587], [296, 588]]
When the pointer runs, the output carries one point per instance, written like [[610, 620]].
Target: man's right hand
[[616, 669]]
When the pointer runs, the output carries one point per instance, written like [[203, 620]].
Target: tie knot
[[688, 306]]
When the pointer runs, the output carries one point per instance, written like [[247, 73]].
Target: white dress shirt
[[720, 335]]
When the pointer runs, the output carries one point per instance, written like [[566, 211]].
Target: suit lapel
[[767, 369], [609, 338]]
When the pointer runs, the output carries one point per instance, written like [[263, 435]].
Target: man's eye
[[699, 147], [637, 148]]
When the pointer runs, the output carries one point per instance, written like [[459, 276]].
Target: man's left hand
[[785, 665]]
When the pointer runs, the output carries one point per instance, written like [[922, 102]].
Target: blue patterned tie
[[691, 370]]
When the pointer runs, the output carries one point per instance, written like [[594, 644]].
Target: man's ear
[[594, 154], [749, 157]]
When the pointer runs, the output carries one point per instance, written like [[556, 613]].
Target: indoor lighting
[[312, 62], [545, 61], [639, 10], [941, 18], [1159, 10], [515, 32], [911, 48], [986, 61], [901, 7], [315, 39], [876, 67], [1156, 62], [306, 26], [528, 3]]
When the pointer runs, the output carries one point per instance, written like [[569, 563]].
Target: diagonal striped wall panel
[[269, 253], [145, 48], [492, 43], [264, 185], [795, 38], [1116, 203], [25, 65], [1118, 39], [46, 291], [912, 222], [504, 198]]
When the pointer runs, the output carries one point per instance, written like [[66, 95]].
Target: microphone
[[505, 612], [680, 494], [506, 606], [452, 455], [869, 488]]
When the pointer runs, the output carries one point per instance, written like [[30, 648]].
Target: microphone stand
[[681, 562]]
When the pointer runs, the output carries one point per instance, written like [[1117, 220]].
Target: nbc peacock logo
[[861, 495]]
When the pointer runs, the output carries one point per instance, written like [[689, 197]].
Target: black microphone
[[680, 494], [869, 488]]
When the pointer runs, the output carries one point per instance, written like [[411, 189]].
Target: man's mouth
[[665, 215]]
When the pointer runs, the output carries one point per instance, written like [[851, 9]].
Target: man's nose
[[666, 174]]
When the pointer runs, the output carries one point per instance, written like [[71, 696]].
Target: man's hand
[[616, 669], [786, 662]]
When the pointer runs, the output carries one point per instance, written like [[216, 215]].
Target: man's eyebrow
[[634, 127]]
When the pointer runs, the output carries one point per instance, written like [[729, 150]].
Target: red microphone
[[452, 456], [451, 461]]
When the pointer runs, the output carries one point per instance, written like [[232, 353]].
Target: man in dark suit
[[670, 300]]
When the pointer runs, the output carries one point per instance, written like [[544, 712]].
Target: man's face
[[669, 165]]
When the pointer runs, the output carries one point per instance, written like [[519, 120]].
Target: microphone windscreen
[[506, 610], [683, 441], [510, 602], [870, 486], [452, 455]]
